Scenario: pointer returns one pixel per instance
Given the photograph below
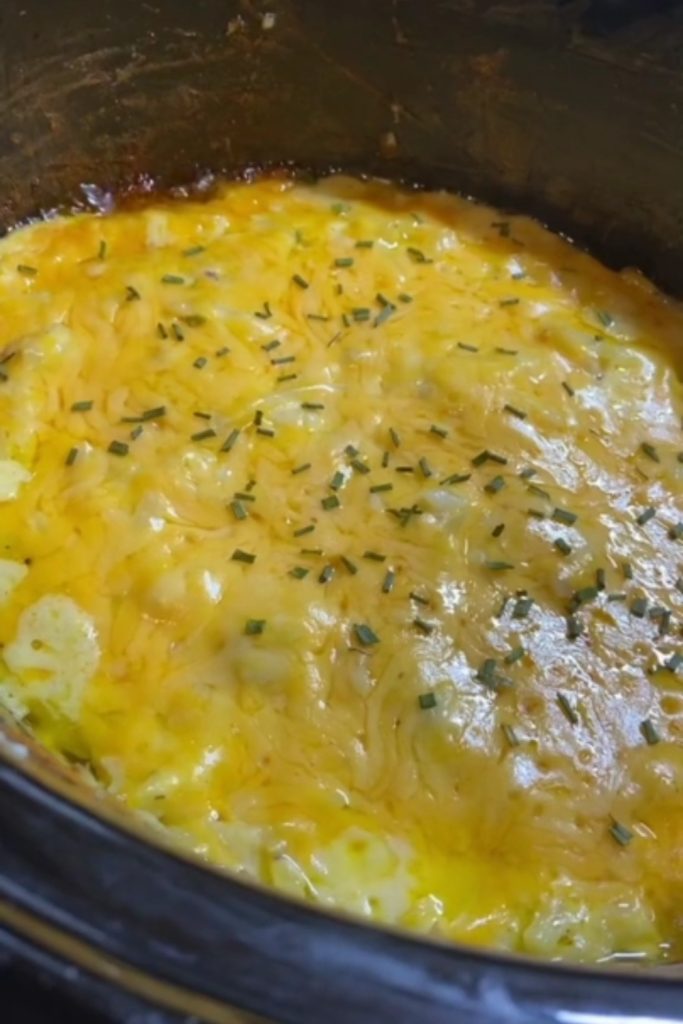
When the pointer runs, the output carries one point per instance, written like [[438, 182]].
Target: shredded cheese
[[342, 536]]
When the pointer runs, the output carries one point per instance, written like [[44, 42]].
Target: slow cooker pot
[[571, 111]]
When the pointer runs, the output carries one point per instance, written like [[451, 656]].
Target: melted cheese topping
[[341, 536]]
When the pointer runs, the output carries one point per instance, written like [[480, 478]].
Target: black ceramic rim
[[207, 936]]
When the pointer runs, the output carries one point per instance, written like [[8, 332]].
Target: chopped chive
[[675, 532], [567, 709], [568, 388], [638, 607], [674, 662], [496, 566], [359, 466], [495, 485], [360, 314], [563, 515], [270, 345], [193, 319], [627, 570], [527, 473], [522, 607], [614, 597], [364, 243], [200, 362], [418, 598], [381, 488], [384, 314], [405, 469], [177, 332], [405, 298], [497, 530], [425, 627], [510, 734], [514, 655], [427, 701], [467, 348], [301, 469], [229, 444], [417, 256], [574, 627], [118, 448], [132, 294], [487, 456], [385, 459], [508, 302], [172, 279], [338, 209], [285, 377], [265, 314], [318, 317], [439, 431], [244, 496], [136, 432], [239, 555], [562, 546], [506, 351], [649, 732], [23, 268], [365, 635], [330, 502], [194, 250], [456, 478], [303, 530], [300, 281], [203, 435], [535, 513], [388, 582], [161, 331], [605, 318], [538, 491], [374, 556], [600, 579], [299, 572], [351, 451], [620, 833], [349, 565], [71, 457], [327, 573], [646, 515], [84, 406], [514, 411], [487, 673], [649, 450], [396, 440], [312, 406], [282, 360], [337, 481], [102, 250], [426, 469], [254, 627], [584, 596], [238, 510], [343, 261], [311, 551]]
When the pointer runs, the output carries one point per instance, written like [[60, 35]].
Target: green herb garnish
[[514, 411], [425, 627], [365, 635], [71, 457], [300, 281], [118, 448], [301, 469], [522, 607], [326, 574], [172, 279], [230, 442], [239, 555], [427, 701], [203, 435], [562, 546], [83, 406], [649, 732], [254, 627], [349, 565], [619, 832], [388, 582], [567, 709], [495, 485], [563, 515]]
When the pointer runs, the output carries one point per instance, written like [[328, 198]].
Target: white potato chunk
[[11, 575], [12, 476], [55, 652]]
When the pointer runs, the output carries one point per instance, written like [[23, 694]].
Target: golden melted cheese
[[341, 536]]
